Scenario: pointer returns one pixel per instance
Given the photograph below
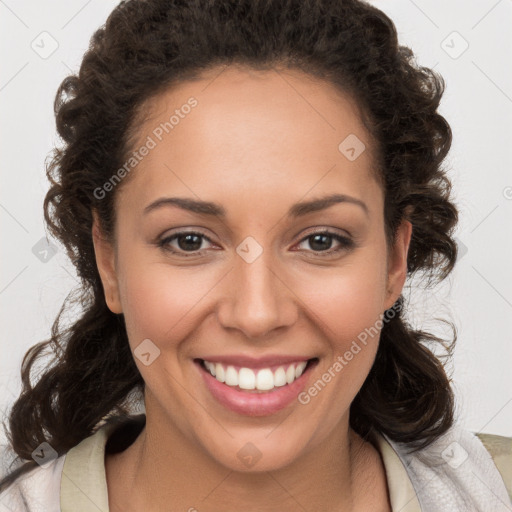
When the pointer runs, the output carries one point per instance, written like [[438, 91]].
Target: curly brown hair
[[144, 48]]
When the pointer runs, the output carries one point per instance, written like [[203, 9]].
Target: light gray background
[[477, 104]]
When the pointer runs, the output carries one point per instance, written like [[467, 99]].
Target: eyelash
[[345, 243]]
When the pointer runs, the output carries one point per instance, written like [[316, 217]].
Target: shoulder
[[76, 480], [500, 449], [458, 470], [36, 490], [60, 484]]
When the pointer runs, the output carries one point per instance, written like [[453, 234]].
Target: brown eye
[[322, 241], [187, 242]]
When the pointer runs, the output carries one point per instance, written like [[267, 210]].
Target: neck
[[163, 468]]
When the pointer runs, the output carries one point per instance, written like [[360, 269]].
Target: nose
[[257, 299]]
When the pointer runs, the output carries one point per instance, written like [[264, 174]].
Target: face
[[248, 269]]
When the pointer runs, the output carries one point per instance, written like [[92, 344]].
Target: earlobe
[[397, 263], [105, 260]]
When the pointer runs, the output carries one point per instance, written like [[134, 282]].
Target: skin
[[256, 143]]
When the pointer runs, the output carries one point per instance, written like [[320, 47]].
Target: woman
[[244, 188]]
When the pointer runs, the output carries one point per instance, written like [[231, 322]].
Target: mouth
[[255, 391], [257, 380]]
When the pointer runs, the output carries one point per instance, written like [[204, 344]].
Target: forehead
[[239, 133]]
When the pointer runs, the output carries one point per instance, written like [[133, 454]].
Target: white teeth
[[246, 378], [280, 377], [211, 367], [219, 372], [231, 376], [290, 374], [263, 380], [300, 368]]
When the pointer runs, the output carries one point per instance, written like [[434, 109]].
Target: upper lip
[[256, 362]]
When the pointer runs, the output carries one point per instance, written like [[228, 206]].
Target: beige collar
[[401, 492], [84, 484]]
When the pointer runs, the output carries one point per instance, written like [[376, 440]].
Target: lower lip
[[255, 404]]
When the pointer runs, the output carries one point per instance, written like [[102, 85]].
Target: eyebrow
[[216, 210]]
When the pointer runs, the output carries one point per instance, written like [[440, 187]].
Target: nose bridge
[[258, 300]]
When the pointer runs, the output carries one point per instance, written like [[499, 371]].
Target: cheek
[[346, 307], [343, 302], [161, 302]]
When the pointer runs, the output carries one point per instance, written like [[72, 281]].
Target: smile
[[263, 379], [255, 388]]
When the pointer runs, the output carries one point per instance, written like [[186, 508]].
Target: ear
[[397, 263], [105, 260]]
